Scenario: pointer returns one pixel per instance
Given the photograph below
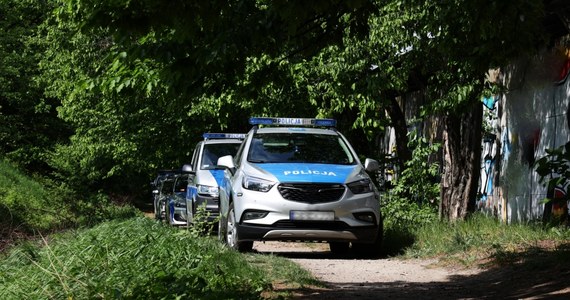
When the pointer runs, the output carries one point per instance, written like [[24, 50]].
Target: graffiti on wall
[[485, 200], [487, 169]]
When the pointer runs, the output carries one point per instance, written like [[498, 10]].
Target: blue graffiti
[[490, 102]]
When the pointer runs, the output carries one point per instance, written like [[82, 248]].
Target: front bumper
[[177, 213], [208, 206], [308, 231]]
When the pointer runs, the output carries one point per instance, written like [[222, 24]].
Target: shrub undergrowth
[[134, 259], [412, 202], [30, 206], [481, 237], [25, 204]]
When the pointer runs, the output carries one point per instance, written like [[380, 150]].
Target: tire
[[371, 250], [168, 214], [189, 212], [221, 231], [231, 233], [156, 208], [188, 224], [161, 210], [339, 248]]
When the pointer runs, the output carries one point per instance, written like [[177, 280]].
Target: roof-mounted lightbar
[[211, 136], [292, 121]]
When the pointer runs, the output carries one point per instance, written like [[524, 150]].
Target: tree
[[346, 58], [29, 126]]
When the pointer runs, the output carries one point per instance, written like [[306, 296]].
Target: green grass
[[481, 240], [139, 259], [25, 204], [29, 206]]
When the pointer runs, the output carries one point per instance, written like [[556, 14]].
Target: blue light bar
[[292, 121], [210, 136]]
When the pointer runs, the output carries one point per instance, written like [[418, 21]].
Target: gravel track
[[390, 278]]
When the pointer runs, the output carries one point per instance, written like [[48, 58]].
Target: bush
[[30, 206], [25, 205], [414, 199]]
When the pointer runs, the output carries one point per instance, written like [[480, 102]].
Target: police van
[[203, 178], [299, 179]]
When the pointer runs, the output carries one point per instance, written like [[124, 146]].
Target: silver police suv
[[299, 179], [205, 176]]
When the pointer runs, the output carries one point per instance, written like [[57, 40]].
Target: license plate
[[307, 215]]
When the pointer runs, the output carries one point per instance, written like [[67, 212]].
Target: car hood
[[304, 173], [209, 177]]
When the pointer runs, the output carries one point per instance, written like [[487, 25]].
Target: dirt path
[[389, 278]]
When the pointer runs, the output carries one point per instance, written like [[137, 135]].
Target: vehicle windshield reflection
[[299, 148], [212, 152]]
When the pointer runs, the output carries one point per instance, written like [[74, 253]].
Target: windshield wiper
[[258, 161]]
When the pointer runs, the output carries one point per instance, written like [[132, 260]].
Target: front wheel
[[161, 210], [231, 233], [168, 212], [339, 248], [371, 250]]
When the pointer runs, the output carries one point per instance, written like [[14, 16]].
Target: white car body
[[205, 176], [272, 190]]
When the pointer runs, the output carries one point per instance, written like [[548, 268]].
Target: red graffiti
[[563, 75]]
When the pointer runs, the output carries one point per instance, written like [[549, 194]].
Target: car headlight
[[257, 184], [361, 186], [208, 190]]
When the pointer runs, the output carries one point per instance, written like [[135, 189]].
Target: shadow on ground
[[534, 274]]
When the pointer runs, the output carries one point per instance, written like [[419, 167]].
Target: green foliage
[[202, 224], [481, 237], [135, 84], [29, 126], [30, 206], [414, 199], [554, 168], [133, 259], [26, 205]]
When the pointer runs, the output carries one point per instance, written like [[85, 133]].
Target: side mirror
[[371, 165], [187, 168], [227, 162]]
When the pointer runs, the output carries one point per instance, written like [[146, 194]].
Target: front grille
[[311, 192]]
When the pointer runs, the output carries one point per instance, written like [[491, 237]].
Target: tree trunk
[[462, 162], [398, 122]]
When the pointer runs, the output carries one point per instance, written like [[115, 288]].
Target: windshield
[[167, 186], [299, 148], [212, 152]]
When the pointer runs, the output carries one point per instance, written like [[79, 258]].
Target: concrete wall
[[531, 116]]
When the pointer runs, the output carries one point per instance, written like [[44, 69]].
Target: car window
[[181, 184], [195, 156], [237, 157], [299, 148], [167, 186], [212, 152]]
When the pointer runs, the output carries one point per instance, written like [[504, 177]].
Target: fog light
[[366, 217], [254, 214]]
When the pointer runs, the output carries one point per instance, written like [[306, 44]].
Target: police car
[[298, 179], [175, 208], [162, 188], [204, 178]]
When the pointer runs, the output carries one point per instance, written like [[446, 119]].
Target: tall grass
[[29, 206], [481, 237], [133, 259], [25, 204]]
